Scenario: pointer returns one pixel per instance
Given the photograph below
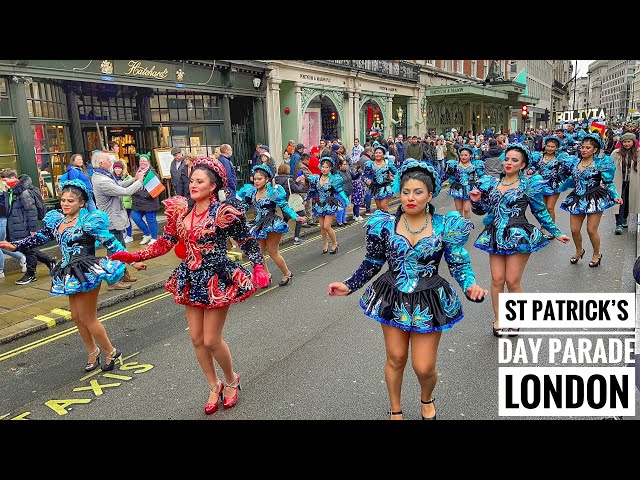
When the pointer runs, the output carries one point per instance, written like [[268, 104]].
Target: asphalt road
[[301, 354]]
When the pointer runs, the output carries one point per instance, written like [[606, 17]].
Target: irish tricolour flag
[[152, 184]]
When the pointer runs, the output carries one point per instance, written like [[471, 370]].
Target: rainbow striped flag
[[152, 184], [598, 128]]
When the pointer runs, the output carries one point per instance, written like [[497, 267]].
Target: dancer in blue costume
[[79, 274], [593, 192], [378, 175], [508, 236], [327, 188], [464, 175], [413, 303], [550, 165], [268, 227]]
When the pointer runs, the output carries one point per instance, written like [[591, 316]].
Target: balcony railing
[[387, 68]]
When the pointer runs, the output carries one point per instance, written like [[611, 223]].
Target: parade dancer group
[[411, 301]]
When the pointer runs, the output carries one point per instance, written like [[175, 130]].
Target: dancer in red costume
[[207, 281]]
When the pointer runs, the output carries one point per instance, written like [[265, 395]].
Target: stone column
[[356, 114], [298, 87], [387, 124], [350, 121], [274, 123], [412, 116]]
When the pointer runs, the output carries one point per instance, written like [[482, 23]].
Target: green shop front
[[473, 107], [50, 109]]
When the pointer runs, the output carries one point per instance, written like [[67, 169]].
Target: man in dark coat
[[177, 180], [22, 221]]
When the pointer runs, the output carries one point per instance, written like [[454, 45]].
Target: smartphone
[[300, 173]]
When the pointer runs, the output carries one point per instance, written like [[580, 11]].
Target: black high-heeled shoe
[[596, 264], [284, 283], [91, 366], [497, 332], [433, 399], [575, 258], [113, 356], [326, 249], [399, 412], [334, 249]]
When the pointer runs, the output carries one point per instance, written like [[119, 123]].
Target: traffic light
[[547, 114], [524, 112]]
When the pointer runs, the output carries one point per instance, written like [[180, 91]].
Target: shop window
[[8, 158], [5, 105], [52, 152], [46, 100]]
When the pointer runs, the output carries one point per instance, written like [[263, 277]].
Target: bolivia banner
[[598, 128], [152, 184]]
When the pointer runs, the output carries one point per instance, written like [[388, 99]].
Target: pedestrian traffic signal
[[525, 111]]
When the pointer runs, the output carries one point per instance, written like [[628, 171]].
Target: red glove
[[125, 256], [260, 276]]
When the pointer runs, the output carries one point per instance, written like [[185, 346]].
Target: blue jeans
[[3, 235], [130, 227], [152, 227], [367, 201], [341, 215]]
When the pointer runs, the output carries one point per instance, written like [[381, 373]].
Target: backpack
[[40, 206]]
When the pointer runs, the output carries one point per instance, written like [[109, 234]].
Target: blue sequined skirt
[[596, 199], [266, 224], [433, 306], [518, 236], [459, 191], [381, 191], [84, 273], [330, 206]]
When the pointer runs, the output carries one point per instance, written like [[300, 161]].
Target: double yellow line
[[72, 330], [69, 331]]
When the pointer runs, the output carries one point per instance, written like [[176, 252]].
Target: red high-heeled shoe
[[228, 402], [210, 407]]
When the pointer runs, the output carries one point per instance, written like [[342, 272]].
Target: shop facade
[[473, 107], [50, 109], [309, 101]]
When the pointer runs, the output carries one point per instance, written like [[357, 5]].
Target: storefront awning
[[505, 93]]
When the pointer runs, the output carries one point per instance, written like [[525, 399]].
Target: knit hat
[[118, 163], [314, 150], [335, 147], [628, 136]]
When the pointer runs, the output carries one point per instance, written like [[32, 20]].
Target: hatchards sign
[[444, 91], [136, 69]]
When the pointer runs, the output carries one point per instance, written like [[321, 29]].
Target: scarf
[[143, 170], [105, 172]]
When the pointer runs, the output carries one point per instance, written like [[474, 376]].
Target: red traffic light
[[525, 111]]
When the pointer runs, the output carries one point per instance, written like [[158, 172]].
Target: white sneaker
[[23, 264], [1, 271], [128, 239], [145, 239], [152, 241]]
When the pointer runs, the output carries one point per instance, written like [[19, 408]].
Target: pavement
[[26, 309]]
